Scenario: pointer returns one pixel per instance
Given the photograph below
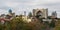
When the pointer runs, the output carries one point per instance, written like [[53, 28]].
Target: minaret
[[25, 13]]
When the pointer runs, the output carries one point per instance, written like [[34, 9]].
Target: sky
[[19, 6]]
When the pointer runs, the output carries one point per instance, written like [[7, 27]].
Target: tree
[[19, 24], [30, 14], [52, 24]]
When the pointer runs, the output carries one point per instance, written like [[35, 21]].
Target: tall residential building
[[54, 14]]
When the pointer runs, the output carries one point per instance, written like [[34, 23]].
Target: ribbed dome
[[10, 11]]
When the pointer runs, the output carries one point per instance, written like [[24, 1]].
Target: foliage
[[30, 14], [15, 24], [52, 24], [19, 24]]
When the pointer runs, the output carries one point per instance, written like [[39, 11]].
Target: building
[[25, 13], [10, 11], [25, 18], [42, 13], [2, 15], [54, 14]]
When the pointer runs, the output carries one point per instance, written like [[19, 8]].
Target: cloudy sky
[[19, 6]]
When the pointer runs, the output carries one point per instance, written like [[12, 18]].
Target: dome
[[10, 11]]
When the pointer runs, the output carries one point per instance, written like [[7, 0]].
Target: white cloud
[[11, 4], [29, 5], [3, 11]]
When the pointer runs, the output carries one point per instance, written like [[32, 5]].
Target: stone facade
[[44, 12]]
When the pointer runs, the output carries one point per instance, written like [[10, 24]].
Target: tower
[[25, 13]]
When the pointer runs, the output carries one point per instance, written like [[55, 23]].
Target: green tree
[[30, 14], [19, 24], [52, 24]]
